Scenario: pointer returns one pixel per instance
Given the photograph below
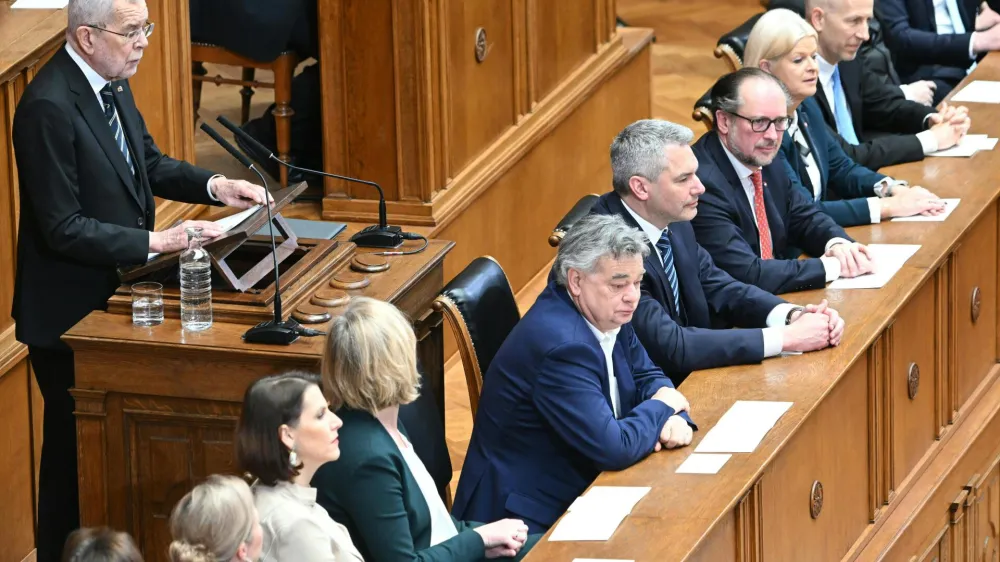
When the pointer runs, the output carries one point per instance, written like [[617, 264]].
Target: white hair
[[91, 12], [594, 237]]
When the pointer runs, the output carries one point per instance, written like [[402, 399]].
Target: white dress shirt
[[946, 26], [442, 525], [607, 341], [815, 178], [830, 264], [927, 140], [97, 82], [772, 334]]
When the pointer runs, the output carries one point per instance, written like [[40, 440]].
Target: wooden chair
[[479, 306], [731, 45], [703, 111], [283, 68], [580, 210]]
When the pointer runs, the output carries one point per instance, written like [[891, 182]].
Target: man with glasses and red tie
[[88, 172], [750, 219]]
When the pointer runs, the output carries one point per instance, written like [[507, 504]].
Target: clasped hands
[[675, 432], [909, 201], [815, 327], [240, 194], [503, 538], [949, 124]]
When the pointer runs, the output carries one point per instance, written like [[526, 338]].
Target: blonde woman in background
[[100, 545], [216, 522], [286, 432], [379, 488]]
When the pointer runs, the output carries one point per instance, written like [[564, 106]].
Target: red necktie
[[761, 214]]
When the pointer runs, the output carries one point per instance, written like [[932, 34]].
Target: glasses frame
[[132, 36], [787, 121]]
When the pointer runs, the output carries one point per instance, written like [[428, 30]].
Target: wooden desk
[[900, 423], [156, 407]]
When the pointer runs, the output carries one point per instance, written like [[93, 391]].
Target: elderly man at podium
[[571, 392], [88, 173]]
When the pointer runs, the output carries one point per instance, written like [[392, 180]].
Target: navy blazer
[[725, 224], [545, 427], [684, 341], [844, 184], [919, 52]]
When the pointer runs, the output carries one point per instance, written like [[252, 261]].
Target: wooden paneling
[[10, 92], [940, 546], [721, 545], [562, 35], [986, 516], [16, 466], [840, 465], [913, 355], [975, 274]]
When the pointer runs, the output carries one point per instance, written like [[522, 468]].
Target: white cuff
[[832, 267], [927, 141], [972, 41], [776, 318], [208, 186], [907, 92], [774, 341], [833, 242], [874, 210]]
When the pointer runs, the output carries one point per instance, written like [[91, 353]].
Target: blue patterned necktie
[[111, 114], [840, 113], [667, 253]]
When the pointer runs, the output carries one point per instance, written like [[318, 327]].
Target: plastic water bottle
[[196, 284]]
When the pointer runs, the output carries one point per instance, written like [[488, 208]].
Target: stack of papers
[[889, 258], [225, 223], [742, 427], [979, 91], [967, 146], [949, 206], [595, 515]]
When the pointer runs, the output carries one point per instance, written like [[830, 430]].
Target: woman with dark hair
[[100, 545], [286, 432]]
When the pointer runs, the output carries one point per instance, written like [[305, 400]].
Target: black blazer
[[710, 298], [257, 29], [885, 121], [83, 213], [725, 224], [919, 52]]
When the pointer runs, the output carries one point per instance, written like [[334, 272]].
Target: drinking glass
[[147, 304]]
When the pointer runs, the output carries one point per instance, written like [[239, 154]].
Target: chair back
[[580, 210], [479, 305], [424, 422], [731, 45], [703, 111]]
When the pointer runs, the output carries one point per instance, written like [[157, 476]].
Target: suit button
[[139, 221]]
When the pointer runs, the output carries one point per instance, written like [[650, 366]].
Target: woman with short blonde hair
[[216, 522], [785, 46], [379, 489]]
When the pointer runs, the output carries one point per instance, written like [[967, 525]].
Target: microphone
[[376, 236], [272, 331]]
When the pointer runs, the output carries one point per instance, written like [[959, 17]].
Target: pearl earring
[[293, 459]]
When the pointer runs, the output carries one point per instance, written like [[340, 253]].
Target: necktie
[[663, 245], [760, 213], [956, 16], [840, 112], [111, 114]]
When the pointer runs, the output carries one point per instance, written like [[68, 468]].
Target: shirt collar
[[825, 70], [96, 80], [741, 169], [606, 339], [652, 232], [304, 495]]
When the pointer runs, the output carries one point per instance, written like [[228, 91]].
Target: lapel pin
[[119, 89]]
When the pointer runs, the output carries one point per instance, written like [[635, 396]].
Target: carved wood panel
[[986, 507], [561, 36], [974, 306]]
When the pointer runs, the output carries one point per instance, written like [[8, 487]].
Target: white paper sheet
[[703, 463], [979, 91], [39, 4], [610, 498], [949, 206], [967, 146], [225, 223], [888, 259], [742, 427], [586, 525]]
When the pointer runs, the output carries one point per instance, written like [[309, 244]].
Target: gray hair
[[638, 150], [90, 12], [594, 237]]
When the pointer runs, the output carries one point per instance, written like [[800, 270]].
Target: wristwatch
[[885, 190], [788, 319]]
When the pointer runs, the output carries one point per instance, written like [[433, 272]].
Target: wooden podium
[[156, 407]]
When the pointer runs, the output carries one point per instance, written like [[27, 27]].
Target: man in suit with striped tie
[[88, 173], [686, 300]]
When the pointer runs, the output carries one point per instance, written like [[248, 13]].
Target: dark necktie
[[111, 114], [663, 245]]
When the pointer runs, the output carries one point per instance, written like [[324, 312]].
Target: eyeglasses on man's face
[[761, 124], [132, 36]]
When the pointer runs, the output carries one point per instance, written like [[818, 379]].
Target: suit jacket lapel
[[128, 114], [807, 134], [737, 193], [850, 79], [685, 264], [623, 376], [652, 263], [825, 106], [90, 109]]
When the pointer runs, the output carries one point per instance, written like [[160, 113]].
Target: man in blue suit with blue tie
[[684, 295], [571, 392]]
